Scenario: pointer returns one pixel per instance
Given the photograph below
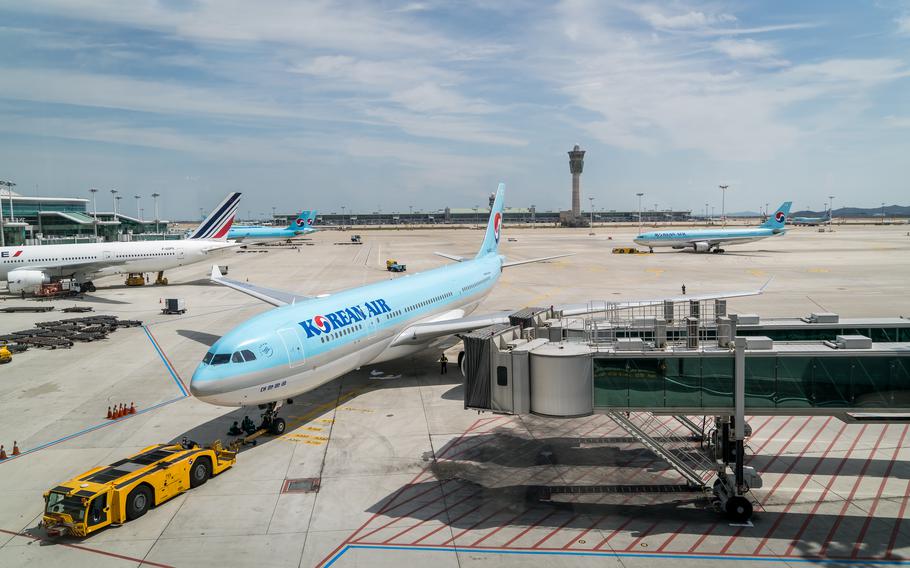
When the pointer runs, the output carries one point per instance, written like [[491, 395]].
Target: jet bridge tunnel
[[630, 368]]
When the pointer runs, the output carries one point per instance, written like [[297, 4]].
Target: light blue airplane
[[711, 240], [812, 221], [301, 226], [310, 340]]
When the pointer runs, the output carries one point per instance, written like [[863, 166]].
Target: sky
[[384, 105]]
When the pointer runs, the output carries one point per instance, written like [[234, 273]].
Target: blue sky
[[384, 104]]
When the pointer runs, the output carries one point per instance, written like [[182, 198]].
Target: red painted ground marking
[[527, 530], [554, 531], [711, 529], [878, 495], [411, 512], [897, 522], [445, 509], [447, 524], [783, 476], [780, 518], [500, 527], [843, 510], [87, 549], [821, 499], [673, 535]]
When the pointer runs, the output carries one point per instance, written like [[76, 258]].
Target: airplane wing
[[87, 266], [267, 295], [424, 332], [530, 260]]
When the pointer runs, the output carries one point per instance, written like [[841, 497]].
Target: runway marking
[[817, 270], [757, 272], [655, 271]]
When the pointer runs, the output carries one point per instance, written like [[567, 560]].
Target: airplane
[[307, 341], [710, 240], [26, 268], [301, 226], [812, 221]]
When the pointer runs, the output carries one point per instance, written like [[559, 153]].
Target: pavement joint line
[[140, 561], [803, 485], [784, 475], [335, 556], [881, 489]]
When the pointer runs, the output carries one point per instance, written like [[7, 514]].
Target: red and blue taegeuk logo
[[779, 216], [300, 222], [321, 323], [497, 223]]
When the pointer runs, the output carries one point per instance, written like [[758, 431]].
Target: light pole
[[591, 199], [640, 195], [155, 196], [707, 219], [114, 201], [830, 211], [342, 216], [117, 204], [9, 191], [8, 184], [94, 212], [723, 204], [138, 209]]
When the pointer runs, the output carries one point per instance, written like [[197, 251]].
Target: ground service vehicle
[[5, 355], [393, 266], [126, 489]]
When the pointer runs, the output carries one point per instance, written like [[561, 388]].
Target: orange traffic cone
[[16, 451], [121, 411], [116, 412], [110, 415], [132, 408], [2, 453]]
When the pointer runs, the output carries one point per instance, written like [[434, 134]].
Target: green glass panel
[[794, 382], [611, 382], [831, 381], [884, 334], [900, 383], [646, 382], [905, 335], [761, 381], [683, 386], [871, 382], [717, 381]]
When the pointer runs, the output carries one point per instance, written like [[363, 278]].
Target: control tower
[[576, 165]]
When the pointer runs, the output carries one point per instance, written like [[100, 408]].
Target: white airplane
[[27, 268], [307, 341]]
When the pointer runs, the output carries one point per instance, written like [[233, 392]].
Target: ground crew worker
[[684, 289], [247, 425], [443, 365], [235, 430]]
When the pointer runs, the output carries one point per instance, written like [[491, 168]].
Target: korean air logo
[[497, 224], [323, 324], [300, 222], [7, 254], [309, 221], [779, 216]]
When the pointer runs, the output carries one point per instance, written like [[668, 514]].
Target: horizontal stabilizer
[[454, 257], [530, 260], [267, 295]]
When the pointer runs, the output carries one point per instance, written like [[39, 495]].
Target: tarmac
[[405, 475]]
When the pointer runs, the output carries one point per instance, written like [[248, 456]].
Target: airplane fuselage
[[265, 233], [706, 238], [295, 348], [85, 260]]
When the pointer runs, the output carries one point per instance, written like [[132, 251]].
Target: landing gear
[[161, 280], [270, 420], [651, 250], [718, 251], [87, 286]]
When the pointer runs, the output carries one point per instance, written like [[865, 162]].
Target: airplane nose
[[201, 385]]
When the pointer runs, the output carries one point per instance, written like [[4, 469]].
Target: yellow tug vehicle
[[127, 489]]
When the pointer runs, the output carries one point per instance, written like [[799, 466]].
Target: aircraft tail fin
[[779, 219], [494, 225], [219, 221], [303, 220]]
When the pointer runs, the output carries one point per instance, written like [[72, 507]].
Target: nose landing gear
[[270, 420]]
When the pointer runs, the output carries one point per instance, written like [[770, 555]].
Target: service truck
[[127, 489]]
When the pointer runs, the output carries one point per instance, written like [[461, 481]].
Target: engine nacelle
[[28, 281], [702, 246]]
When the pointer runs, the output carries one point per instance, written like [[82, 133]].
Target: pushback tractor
[[127, 489]]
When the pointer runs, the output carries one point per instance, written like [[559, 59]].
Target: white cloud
[[681, 20], [897, 121], [903, 23], [745, 48]]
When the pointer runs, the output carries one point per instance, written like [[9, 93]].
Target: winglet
[[530, 260], [765, 285]]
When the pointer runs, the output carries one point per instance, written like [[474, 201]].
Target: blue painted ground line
[[649, 555]]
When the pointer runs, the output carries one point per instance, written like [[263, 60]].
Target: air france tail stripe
[[227, 217], [224, 230], [216, 217], [215, 220]]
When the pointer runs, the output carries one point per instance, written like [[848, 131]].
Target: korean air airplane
[[812, 221], [711, 240], [26, 268], [301, 226], [307, 341]]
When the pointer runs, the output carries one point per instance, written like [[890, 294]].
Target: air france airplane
[[26, 268], [711, 240], [308, 341], [301, 226]]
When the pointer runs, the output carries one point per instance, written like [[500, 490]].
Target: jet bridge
[[686, 360]]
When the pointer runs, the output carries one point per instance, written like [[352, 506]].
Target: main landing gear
[[270, 419], [88, 286], [718, 250]]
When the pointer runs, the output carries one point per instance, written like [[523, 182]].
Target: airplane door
[[107, 255], [179, 252], [293, 345]]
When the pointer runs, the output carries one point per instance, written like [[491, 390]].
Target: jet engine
[[701, 246], [28, 281]]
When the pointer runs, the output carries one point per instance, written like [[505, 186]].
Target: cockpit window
[[248, 355], [236, 357], [221, 359], [208, 358]]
